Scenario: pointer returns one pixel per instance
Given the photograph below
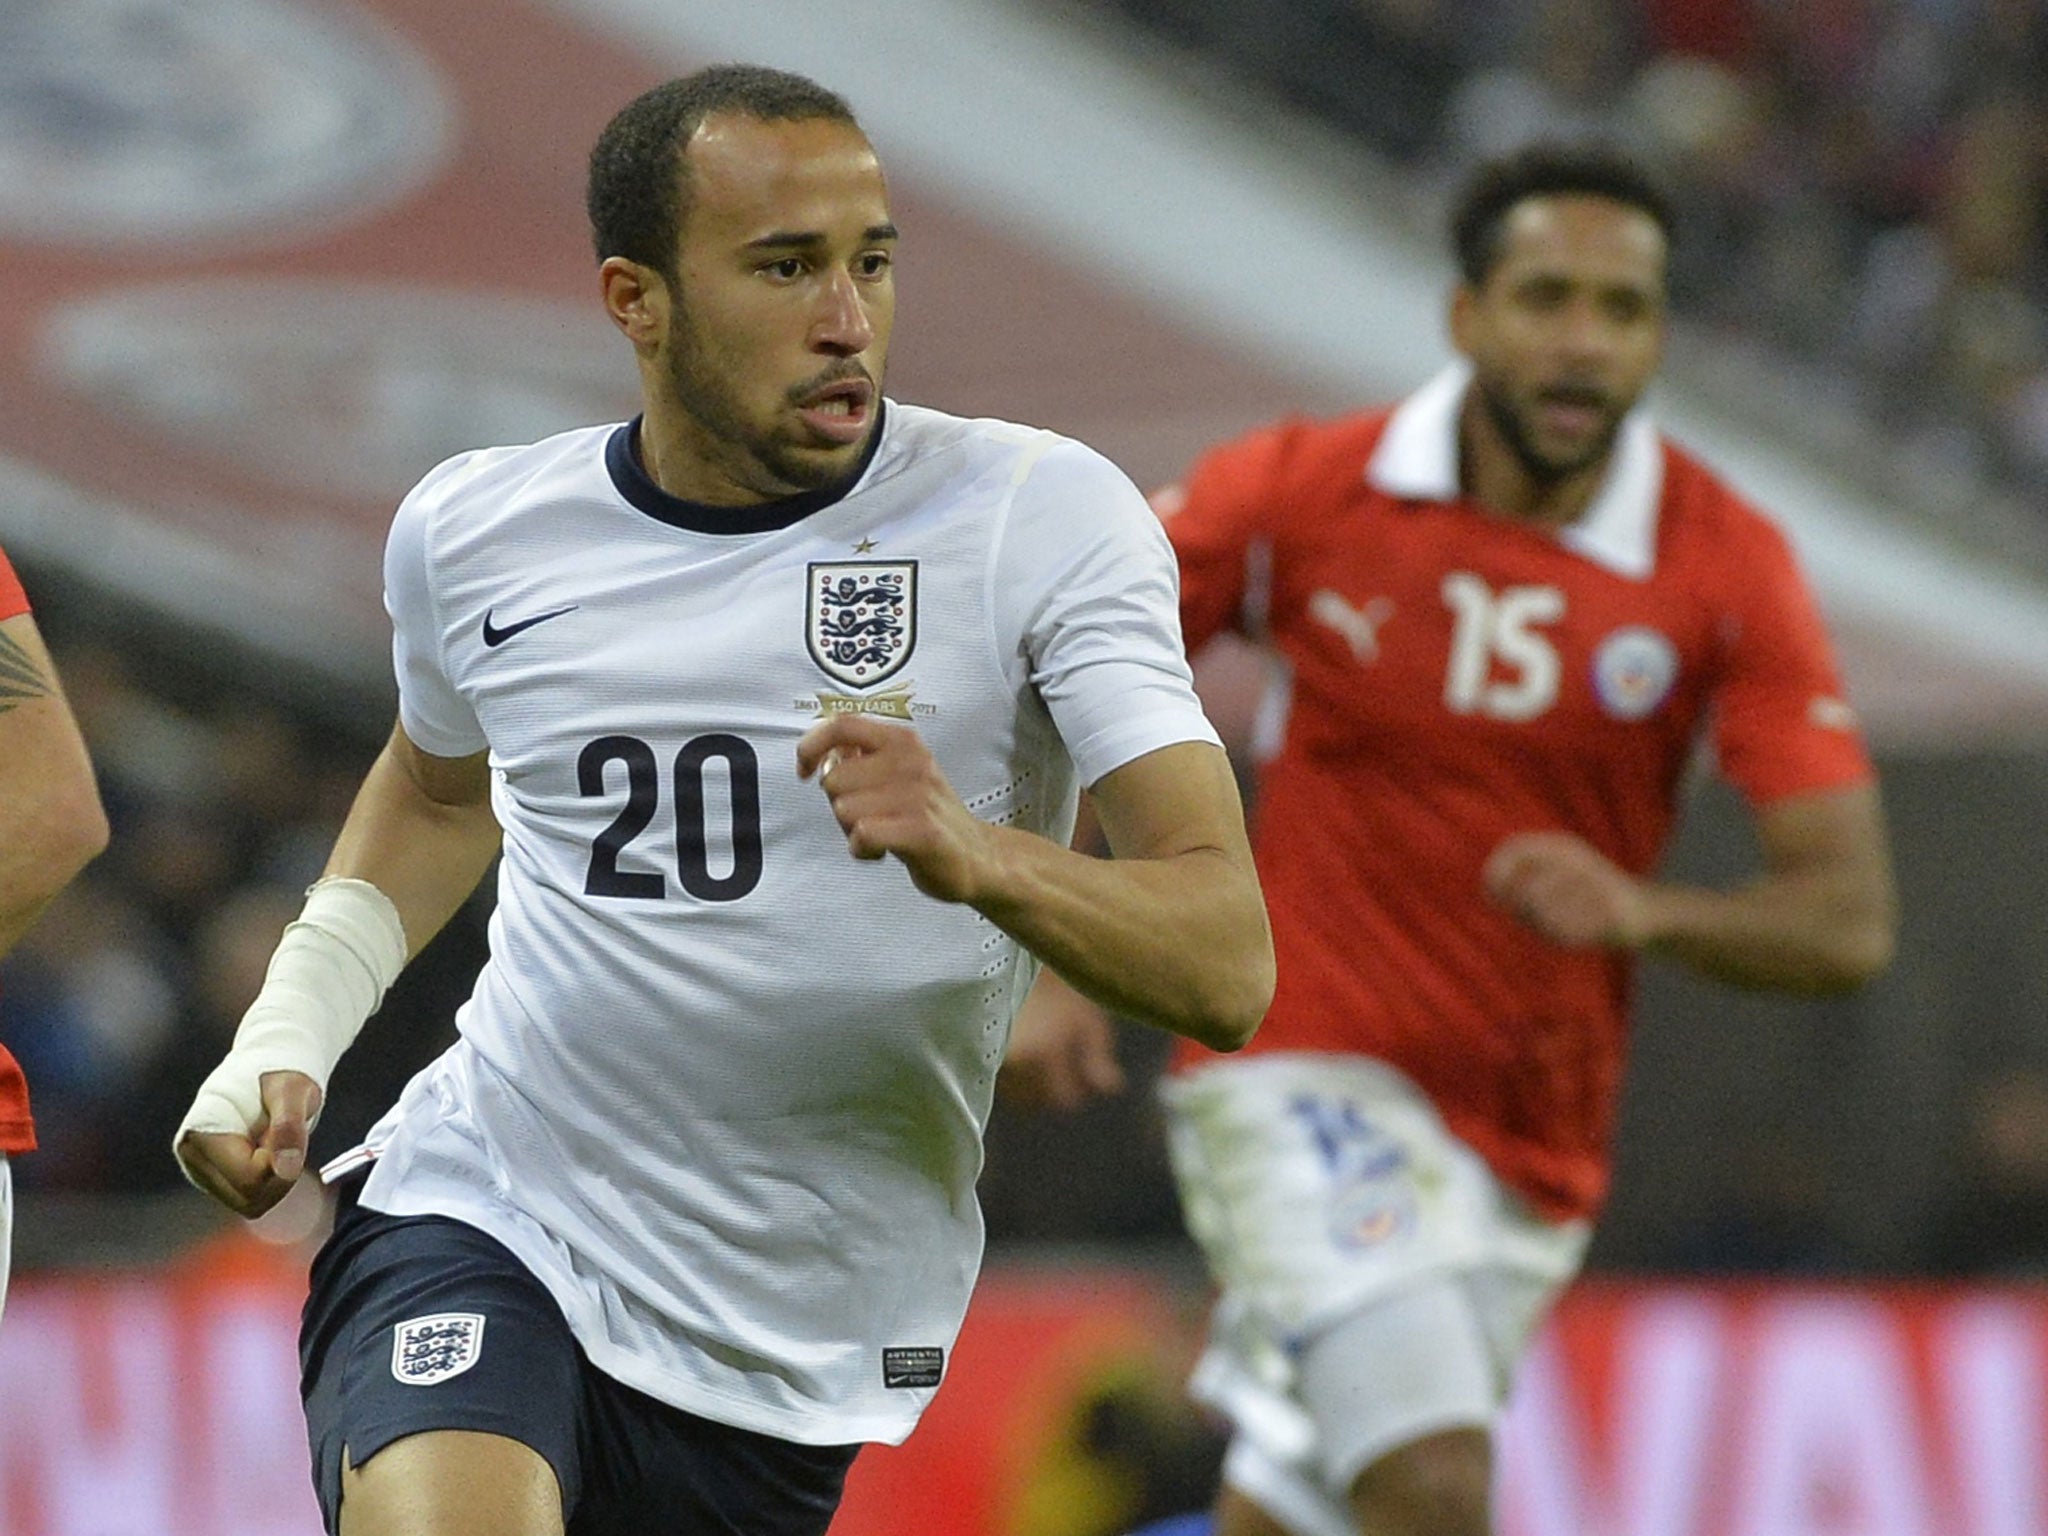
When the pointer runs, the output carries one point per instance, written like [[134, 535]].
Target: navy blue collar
[[639, 489]]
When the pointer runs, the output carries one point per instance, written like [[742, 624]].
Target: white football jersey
[[722, 1085]]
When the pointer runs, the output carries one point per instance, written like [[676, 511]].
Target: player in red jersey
[[1509, 610], [50, 825]]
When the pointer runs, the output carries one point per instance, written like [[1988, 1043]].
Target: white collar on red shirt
[[1417, 460]]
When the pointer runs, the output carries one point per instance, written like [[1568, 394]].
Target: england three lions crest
[[431, 1349], [860, 618]]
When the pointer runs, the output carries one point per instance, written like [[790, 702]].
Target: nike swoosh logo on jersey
[[494, 636]]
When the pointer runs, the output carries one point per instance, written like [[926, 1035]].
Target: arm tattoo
[[20, 678]]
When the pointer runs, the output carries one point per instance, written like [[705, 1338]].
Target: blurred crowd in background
[[224, 797], [1861, 191], [1862, 185]]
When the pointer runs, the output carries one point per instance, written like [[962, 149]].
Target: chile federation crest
[[860, 618]]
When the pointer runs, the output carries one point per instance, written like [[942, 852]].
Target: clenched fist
[[889, 796], [1568, 891]]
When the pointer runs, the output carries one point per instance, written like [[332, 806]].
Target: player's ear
[[637, 299], [1464, 305]]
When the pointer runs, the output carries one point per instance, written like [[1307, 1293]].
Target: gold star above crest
[[863, 546]]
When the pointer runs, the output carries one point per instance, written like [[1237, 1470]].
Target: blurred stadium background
[[265, 261]]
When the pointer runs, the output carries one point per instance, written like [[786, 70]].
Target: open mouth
[[1573, 412], [840, 411]]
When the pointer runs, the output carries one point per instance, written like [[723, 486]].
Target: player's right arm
[[416, 842], [1220, 518], [422, 832], [1062, 1050], [418, 839]]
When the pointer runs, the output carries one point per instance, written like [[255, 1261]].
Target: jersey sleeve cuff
[[435, 741], [1104, 751]]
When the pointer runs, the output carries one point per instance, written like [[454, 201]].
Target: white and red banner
[[1783, 1412], [166, 1405]]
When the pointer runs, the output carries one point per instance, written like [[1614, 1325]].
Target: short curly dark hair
[[1496, 188], [639, 188]]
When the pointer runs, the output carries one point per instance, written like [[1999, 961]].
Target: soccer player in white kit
[[688, 1211]]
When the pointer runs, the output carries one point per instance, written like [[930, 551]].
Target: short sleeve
[[13, 600], [1085, 574], [1217, 518], [1782, 723], [431, 709]]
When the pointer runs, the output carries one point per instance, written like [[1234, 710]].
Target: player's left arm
[[1170, 930], [1821, 917], [51, 821], [1823, 914]]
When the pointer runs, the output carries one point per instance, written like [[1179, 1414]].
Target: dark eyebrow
[[793, 240]]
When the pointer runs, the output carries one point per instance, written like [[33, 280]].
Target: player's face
[[1567, 329], [782, 306]]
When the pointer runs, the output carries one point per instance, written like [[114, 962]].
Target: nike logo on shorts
[[494, 636]]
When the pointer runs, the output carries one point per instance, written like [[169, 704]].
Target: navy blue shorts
[[420, 1323]]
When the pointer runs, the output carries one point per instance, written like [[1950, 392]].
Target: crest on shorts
[[1365, 1215], [1369, 1172], [860, 618], [432, 1349]]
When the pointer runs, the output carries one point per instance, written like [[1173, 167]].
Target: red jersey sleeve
[[1220, 519], [1782, 724], [13, 601], [17, 1130]]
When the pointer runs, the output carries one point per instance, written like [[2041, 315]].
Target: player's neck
[[1492, 474], [701, 460], [673, 458]]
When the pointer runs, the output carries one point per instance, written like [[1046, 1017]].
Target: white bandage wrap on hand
[[331, 970]]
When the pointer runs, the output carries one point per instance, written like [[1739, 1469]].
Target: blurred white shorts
[[1378, 1282], [6, 1225]]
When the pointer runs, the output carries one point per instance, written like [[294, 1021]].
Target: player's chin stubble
[[700, 390], [1545, 469]]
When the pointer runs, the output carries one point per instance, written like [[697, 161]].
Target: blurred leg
[[1403, 1394], [1237, 1515], [1268, 1494], [1436, 1486]]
